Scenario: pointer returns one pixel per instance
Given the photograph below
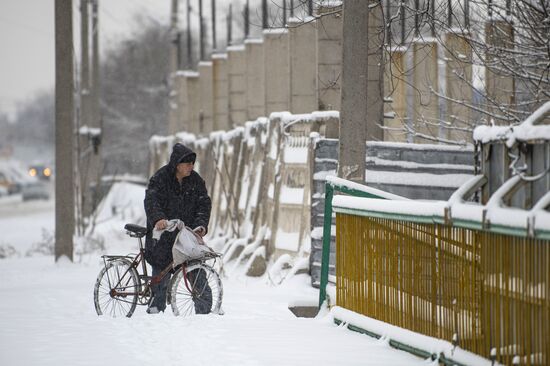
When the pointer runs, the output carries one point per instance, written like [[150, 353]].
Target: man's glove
[[170, 225], [200, 230]]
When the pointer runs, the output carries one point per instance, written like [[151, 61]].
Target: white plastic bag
[[188, 245]]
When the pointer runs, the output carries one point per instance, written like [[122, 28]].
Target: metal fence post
[[327, 228]]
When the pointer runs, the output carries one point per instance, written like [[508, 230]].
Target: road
[[48, 317], [25, 223]]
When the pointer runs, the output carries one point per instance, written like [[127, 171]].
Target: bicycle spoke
[[198, 291], [118, 277]]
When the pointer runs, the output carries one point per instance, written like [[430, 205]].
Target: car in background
[[13, 175], [40, 171], [35, 191]]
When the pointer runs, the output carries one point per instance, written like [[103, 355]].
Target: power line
[[28, 27]]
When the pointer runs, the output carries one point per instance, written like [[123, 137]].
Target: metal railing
[[340, 185], [465, 282]]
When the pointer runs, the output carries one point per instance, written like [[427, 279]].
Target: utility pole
[[64, 130], [362, 88], [83, 160], [84, 65], [94, 136], [95, 65]]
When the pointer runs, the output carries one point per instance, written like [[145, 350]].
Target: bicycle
[[195, 287]]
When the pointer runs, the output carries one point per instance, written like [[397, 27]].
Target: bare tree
[[495, 57], [501, 66]]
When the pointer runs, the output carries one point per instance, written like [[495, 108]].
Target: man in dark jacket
[[175, 191]]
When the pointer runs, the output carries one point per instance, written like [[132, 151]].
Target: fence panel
[[481, 290]]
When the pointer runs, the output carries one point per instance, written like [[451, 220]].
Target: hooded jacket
[[166, 198]]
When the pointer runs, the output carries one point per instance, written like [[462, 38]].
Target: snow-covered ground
[[47, 316]]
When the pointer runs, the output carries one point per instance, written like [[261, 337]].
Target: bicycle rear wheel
[[200, 291], [116, 289]]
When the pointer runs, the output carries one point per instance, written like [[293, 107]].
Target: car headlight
[[47, 172], [32, 172]]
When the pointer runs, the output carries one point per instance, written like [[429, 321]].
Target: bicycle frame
[[144, 279]]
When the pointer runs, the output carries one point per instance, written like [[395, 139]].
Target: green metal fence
[[484, 289]]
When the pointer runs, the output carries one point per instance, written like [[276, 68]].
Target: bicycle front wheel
[[116, 289], [199, 291]]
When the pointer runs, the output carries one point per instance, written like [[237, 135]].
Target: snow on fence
[[270, 174], [258, 177], [409, 170], [522, 150], [474, 275]]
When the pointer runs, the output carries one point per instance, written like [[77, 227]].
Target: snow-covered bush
[[45, 246], [7, 250]]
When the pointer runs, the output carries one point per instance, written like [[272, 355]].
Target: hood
[[179, 151]]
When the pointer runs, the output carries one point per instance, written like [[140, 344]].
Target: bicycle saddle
[[139, 231]]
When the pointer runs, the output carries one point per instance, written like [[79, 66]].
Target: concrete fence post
[[255, 79], [206, 87], [425, 79], [192, 102], [329, 56], [500, 88], [221, 92], [458, 67], [395, 90], [277, 70], [236, 69], [303, 65]]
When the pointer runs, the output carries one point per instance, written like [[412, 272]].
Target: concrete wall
[[255, 79], [236, 69], [221, 92], [303, 66], [299, 69], [329, 57], [277, 70], [206, 87]]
